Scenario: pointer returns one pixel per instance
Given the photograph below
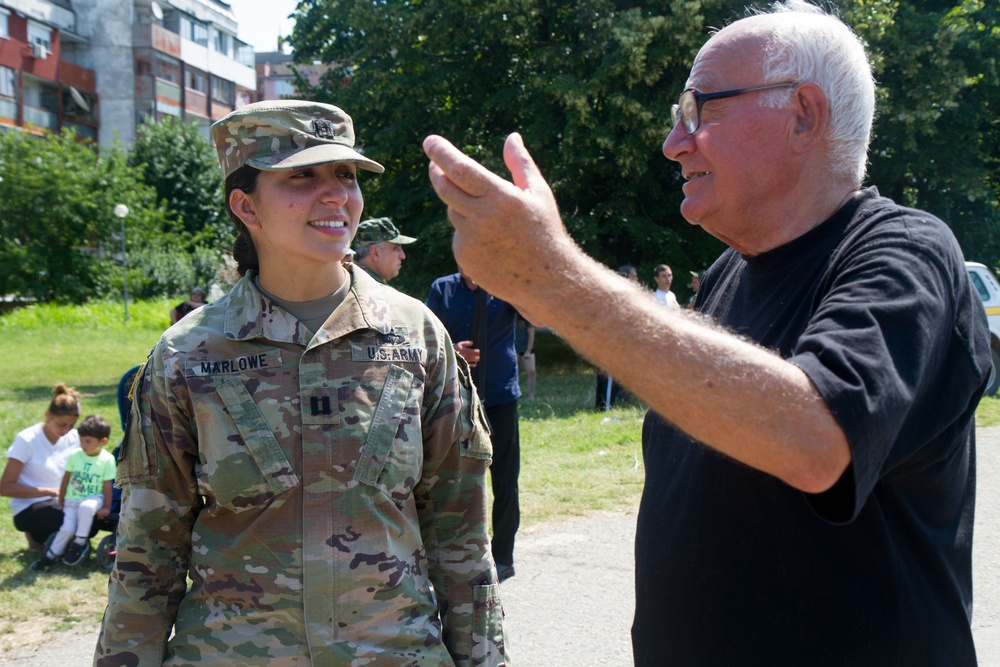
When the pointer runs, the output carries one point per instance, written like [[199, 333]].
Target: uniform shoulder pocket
[[136, 461], [475, 438]]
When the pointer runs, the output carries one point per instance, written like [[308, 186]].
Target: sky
[[261, 21]]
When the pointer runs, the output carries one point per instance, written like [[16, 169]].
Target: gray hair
[[809, 45], [362, 252]]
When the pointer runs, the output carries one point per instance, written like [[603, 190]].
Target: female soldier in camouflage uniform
[[306, 450]]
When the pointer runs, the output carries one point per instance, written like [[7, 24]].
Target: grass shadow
[[39, 393], [28, 577]]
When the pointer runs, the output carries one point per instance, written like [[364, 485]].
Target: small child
[[84, 494]]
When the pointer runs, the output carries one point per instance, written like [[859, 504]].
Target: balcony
[[83, 131], [8, 112], [41, 118]]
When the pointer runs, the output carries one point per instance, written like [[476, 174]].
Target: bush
[[155, 272], [57, 197]]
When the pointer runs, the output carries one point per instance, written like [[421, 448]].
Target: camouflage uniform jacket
[[325, 494]]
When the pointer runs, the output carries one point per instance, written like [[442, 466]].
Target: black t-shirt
[[733, 566]]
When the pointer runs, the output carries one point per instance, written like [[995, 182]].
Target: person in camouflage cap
[[308, 450], [378, 248]]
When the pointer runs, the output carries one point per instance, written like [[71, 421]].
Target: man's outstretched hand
[[507, 234]]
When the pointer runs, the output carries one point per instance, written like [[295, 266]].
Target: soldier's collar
[[369, 296], [250, 314]]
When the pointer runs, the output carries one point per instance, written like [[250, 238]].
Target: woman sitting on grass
[[35, 466]]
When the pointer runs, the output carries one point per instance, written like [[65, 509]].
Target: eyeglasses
[[687, 111]]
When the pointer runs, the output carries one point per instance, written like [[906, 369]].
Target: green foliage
[[93, 316], [176, 160], [57, 228], [169, 271], [60, 240], [936, 139], [589, 85], [181, 165]]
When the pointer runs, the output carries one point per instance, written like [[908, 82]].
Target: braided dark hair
[[244, 251]]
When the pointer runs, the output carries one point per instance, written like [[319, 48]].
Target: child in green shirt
[[85, 494]]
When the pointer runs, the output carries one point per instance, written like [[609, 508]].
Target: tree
[[936, 142], [181, 165], [59, 239], [589, 85]]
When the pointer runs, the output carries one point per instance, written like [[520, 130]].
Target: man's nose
[[677, 143]]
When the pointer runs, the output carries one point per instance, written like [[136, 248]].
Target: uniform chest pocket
[[242, 464], [392, 456]]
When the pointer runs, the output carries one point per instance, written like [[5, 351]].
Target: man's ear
[[244, 207], [812, 116]]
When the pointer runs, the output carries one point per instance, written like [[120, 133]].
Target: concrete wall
[[108, 27]]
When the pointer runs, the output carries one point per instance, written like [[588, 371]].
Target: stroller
[[106, 548]]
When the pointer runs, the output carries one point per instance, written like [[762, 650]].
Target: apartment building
[[276, 75], [188, 61], [106, 66], [39, 88]]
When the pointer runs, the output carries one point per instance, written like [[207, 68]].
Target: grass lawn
[[88, 348], [573, 460], [988, 412]]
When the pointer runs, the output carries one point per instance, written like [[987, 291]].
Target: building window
[[223, 43], [4, 33], [194, 30], [199, 33], [284, 88], [8, 94], [73, 110], [244, 54], [223, 91], [40, 34], [167, 68], [196, 80], [41, 103], [8, 82]]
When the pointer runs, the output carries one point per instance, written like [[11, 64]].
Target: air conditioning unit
[[39, 51]]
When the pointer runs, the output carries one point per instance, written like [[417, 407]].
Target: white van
[[986, 285]]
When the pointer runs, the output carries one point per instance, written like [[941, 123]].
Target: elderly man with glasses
[[809, 455]]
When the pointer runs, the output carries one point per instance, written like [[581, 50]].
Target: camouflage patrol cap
[[286, 134], [376, 230]]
